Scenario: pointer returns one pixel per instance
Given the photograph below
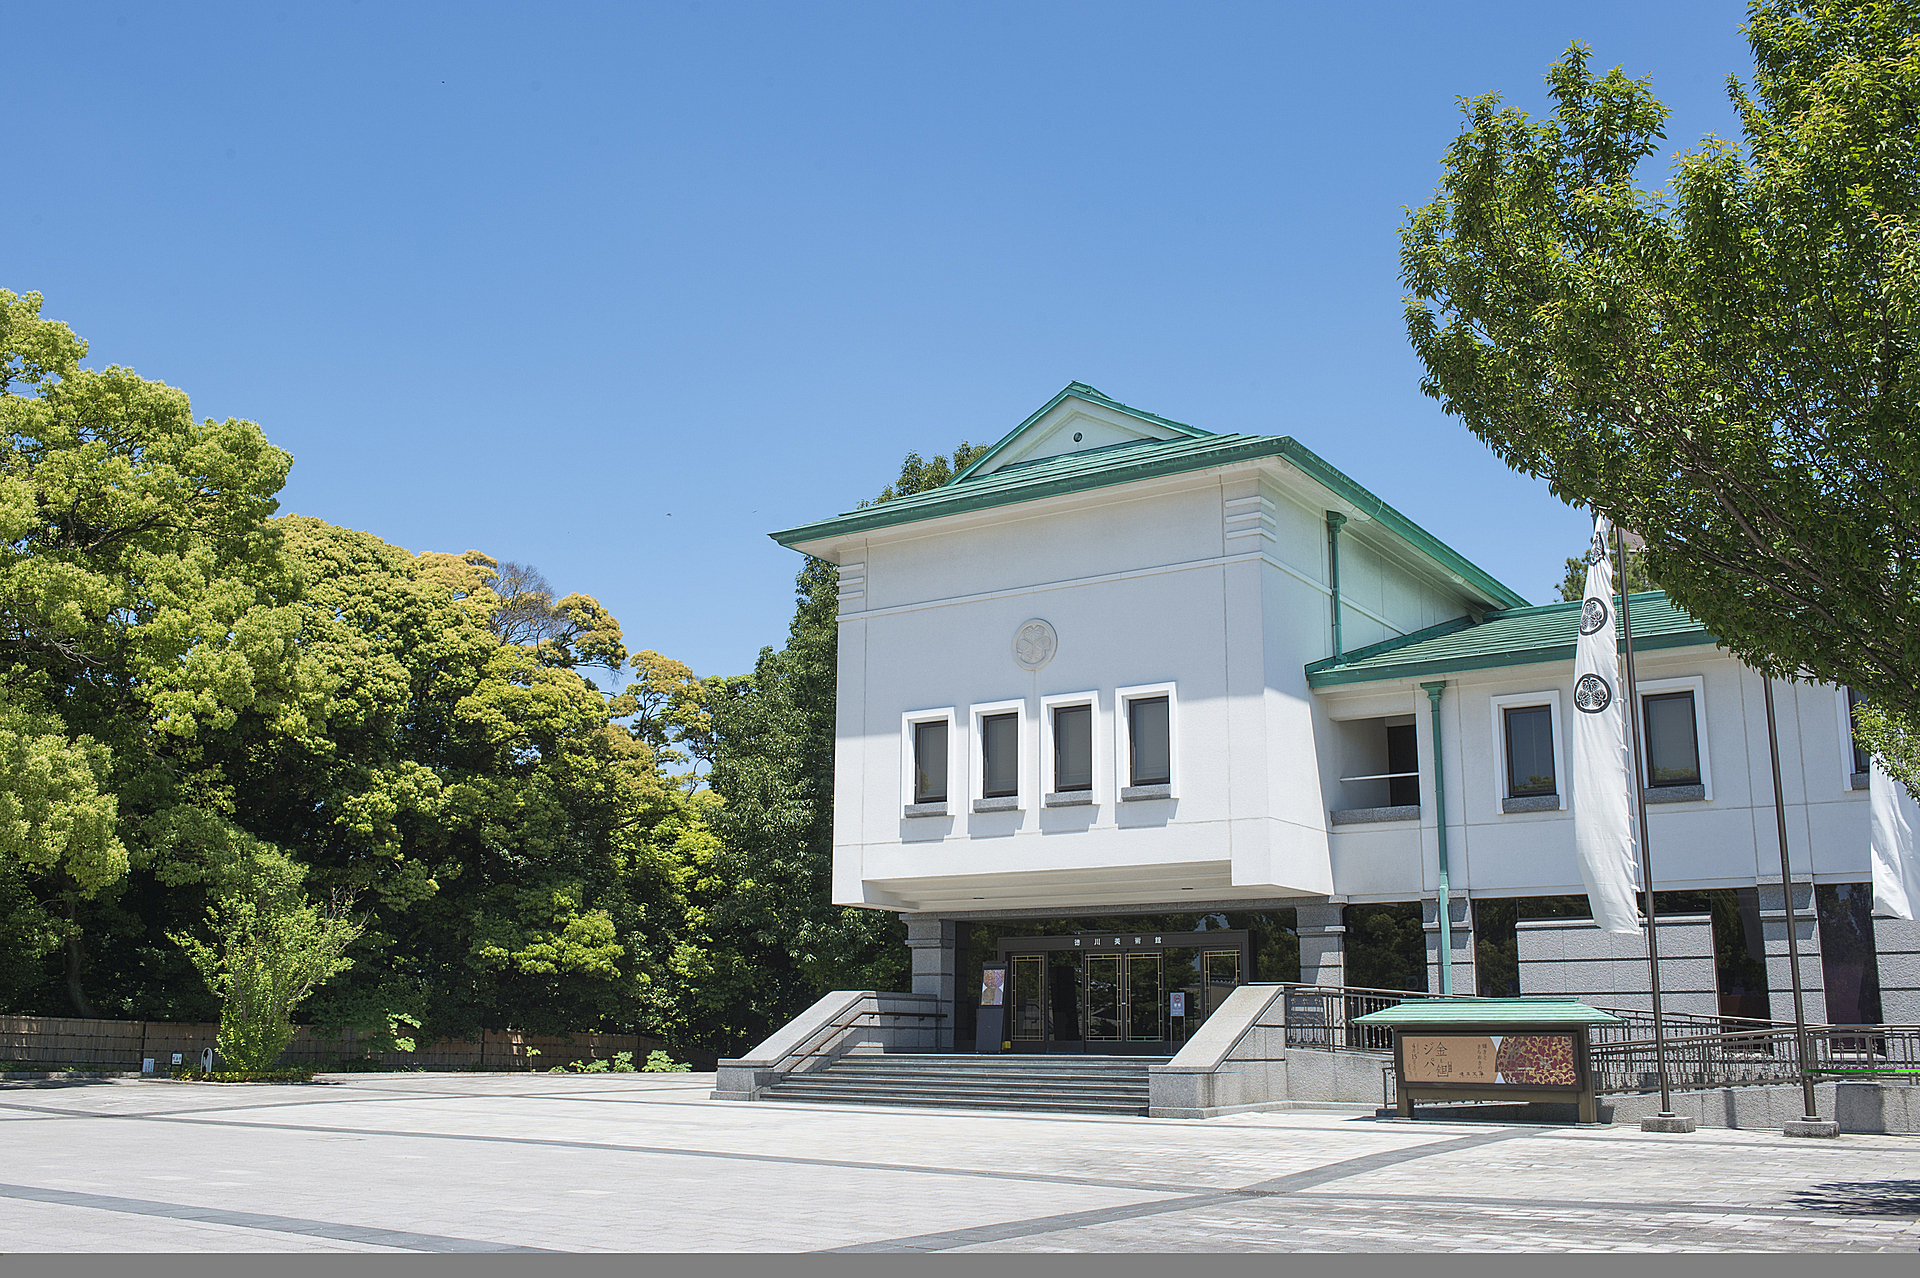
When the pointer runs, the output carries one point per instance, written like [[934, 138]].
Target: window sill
[[926, 809], [1532, 803], [1863, 780], [1369, 816], [1070, 799], [1136, 793], [1006, 803], [1676, 794]]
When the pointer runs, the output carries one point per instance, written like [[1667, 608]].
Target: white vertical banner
[[1602, 801], [1895, 856]]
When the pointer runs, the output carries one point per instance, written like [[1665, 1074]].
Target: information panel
[[1489, 1060]]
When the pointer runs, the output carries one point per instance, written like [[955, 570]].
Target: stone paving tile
[[550, 1161]]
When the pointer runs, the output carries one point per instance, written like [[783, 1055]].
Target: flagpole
[[1638, 785], [1810, 1123]]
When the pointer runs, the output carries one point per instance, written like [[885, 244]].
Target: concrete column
[[1322, 944], [931, 940], [1898, 944], [1465, 979], [1773, 927]]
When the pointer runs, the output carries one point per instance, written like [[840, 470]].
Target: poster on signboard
[[1519, 1060], [993, 987]]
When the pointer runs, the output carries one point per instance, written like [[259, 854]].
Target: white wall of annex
[[1725, 841]]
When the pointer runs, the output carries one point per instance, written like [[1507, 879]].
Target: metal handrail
[[829, 1036]]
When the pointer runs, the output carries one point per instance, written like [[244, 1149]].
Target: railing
[[831, 1039], [1322, 1016], [1752, 1058]]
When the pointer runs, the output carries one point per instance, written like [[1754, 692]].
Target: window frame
[[1505, 701], [1123, 735], [1697, 685], [909, 747], [977, 715], [1049, 783], [1844, 701]]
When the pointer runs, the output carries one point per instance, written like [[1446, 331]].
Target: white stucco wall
[[1214, 583]]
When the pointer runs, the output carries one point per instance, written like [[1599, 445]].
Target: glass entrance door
[[1104, 993], [1146, 1008]]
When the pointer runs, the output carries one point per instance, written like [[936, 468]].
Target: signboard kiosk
[[1512, 1049]]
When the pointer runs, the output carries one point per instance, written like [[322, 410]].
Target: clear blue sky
[[616, 290]]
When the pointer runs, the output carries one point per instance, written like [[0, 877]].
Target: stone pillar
[[1773, 927], [1322, 944], [1897, 941], [931, 940], [1465, 979]]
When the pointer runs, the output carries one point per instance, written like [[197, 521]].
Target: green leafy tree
[[143, 608], [272, 948], [1726, 366]]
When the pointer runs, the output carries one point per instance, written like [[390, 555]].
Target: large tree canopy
[[1727, 366]]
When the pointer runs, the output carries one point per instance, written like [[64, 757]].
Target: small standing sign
[[990, 1026]]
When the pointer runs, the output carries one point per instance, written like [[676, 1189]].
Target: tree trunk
[[76, 954]]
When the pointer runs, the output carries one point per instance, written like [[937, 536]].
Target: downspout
[[1334, 520], [1433, 691]]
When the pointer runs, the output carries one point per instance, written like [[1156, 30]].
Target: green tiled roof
[[1142, 459], [1516, 637], [1538, 1010]]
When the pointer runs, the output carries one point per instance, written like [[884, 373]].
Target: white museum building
[[1147, 711]]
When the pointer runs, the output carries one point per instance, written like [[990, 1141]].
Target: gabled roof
[[984, 463], [1190, 449], [1516, 637]]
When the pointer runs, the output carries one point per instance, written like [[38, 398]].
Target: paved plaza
[[644, 1163]]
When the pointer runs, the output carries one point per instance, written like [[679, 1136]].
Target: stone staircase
[[1042, 1084]]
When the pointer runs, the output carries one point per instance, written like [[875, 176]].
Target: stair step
[[1041, 1105]]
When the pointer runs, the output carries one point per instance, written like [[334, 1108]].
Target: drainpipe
[[1334, 520], [1433, 691]]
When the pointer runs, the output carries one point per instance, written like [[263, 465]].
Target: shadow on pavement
[[1862, 1197]]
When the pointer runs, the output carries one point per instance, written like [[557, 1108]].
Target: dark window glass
[[1739, 953], [1149, 729], [1403, 755], [1496, 948], [1848, 957], [1073, 748], [1530, 752], [1000, 743], [1673, 747], [1862, 761], [930, 763], [1386, 946]]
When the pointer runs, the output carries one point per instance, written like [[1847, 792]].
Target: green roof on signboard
[[1515, 637], [977, 488], [1538, 1010]]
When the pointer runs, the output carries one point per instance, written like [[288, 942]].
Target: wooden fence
[[52, 1042]]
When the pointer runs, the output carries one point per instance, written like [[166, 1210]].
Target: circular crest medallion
[[1593, 615], [1591, 694], [1034, 644]]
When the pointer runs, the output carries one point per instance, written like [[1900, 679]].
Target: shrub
[[661, 1063]]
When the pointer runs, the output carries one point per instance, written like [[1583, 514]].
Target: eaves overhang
[[1075, 473], [1542, 635]]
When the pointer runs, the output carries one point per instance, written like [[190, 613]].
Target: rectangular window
[[1149, 733], [1000, 751], [1848, 958], [1403, 756], [930, 762], [1073, 748], [1862, 761], [1673, 743], [1530, 752]]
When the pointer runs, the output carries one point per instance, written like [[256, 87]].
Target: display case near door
[[1118, 993]]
